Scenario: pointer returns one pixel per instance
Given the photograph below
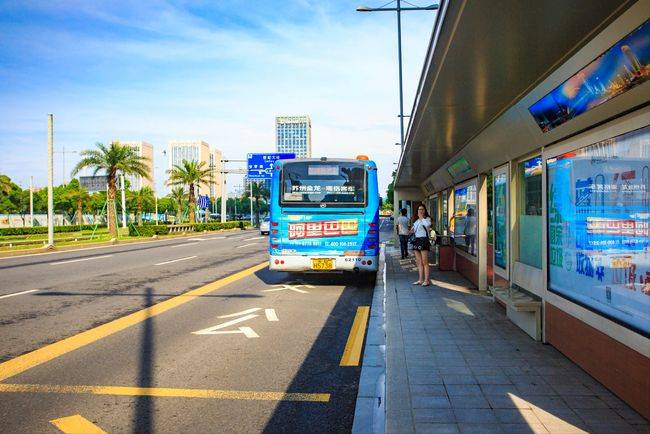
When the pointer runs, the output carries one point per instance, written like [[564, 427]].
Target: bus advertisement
[[324, 216]]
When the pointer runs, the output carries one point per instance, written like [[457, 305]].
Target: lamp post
[[398, 9]]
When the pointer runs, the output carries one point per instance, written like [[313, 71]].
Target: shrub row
[[43, 229], [151, 230]]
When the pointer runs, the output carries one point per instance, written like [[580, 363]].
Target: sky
[[218, 71]]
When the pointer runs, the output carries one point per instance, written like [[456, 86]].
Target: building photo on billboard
[[599, 228], [623, 66]]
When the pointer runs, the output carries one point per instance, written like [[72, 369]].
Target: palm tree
[[142, 198], [189, 173], [177, 195], [112, 159], [79, 196]]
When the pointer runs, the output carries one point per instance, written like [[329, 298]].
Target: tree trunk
[[192, 203], [80, 219], [110, 204], [179, 211], [257, 211], [139, 211]]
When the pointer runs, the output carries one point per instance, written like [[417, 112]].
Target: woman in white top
[[421, 245]]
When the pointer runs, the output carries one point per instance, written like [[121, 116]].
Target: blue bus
[[324, 216]]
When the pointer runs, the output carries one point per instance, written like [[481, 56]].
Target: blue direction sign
[[260, 166]]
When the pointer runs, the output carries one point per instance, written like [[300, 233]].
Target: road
[[183, 335]]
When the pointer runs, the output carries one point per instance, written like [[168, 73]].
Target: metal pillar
[[250, 183], [123, 201], [224, 196], [50, 180], [399, 60]]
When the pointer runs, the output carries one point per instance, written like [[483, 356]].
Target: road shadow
[[320, 371], [144, 411], [157, 295]]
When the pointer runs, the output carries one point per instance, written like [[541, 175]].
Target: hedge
[[151, 230], [148, 230], [43, 229]]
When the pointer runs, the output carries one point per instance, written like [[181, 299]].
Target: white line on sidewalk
[[18, 293], [176, 260], [183, 245], [80, 260], [246, 245]]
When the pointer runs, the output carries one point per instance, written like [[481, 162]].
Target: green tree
[[390, 191], [177, 195], [5, 185], [191, 174], [143, 200], [113, 159], [259, 192], [78, 195]]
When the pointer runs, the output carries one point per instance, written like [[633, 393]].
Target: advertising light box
[[599, 227]]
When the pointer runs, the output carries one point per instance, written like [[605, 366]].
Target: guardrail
[[180, 228]]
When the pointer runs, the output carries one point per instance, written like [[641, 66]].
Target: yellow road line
[[27, 361], [352, 352], [76, 425], [165, 392]]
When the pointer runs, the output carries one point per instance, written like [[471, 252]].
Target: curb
[[370, 409]]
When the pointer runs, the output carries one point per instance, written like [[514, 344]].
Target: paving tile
[[463, 389], [480, 428], [524, 428], [458, 379], [430, 402], [507, 401], [428, 390], [492, 379], [433, 415], [436, 428], [519, 415], [584, 402], [632, 416], [469, 401], [475, 415]]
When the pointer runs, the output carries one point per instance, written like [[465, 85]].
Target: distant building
[[145, 150], [293, 134], [198, 150]]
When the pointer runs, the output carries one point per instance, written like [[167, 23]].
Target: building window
[[530, 212], [466, 218], [599, 227]]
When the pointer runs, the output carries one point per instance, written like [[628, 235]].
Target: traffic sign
[[260, 166]]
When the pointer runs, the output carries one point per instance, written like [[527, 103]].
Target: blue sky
[[218, 71]]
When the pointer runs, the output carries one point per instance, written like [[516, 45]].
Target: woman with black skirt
[[421, 245]]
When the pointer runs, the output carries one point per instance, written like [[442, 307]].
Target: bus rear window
[[323, 183]]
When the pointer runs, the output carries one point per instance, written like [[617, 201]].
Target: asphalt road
[[171, 336]]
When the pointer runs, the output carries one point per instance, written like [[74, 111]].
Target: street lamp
[[398, 9]]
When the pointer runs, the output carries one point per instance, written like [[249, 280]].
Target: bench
[[522, 308], [180, 228]]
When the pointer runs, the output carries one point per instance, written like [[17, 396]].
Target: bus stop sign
[[260, 166]]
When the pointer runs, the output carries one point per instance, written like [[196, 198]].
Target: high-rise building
[[145, 150], [198, 150], [293, 134]]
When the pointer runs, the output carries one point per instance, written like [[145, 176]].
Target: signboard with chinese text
[[260, 166]]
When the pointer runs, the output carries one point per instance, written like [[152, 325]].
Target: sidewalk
[[455, 363]]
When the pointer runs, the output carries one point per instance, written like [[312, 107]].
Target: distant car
[[265, 226]]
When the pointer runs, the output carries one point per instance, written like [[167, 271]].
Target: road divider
[[70, 261], [176, 260], [165, 392], [352, 352], [27, 361], [18, 293], [76, 424]]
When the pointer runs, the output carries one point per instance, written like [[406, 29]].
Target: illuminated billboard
[[625, 65]]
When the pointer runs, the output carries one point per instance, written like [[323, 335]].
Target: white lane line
[[271, 315], [243, 312], [183, 245], [18, 293], [254, 238], [213, 330], [80, 260], [246, 245], [176, 260]]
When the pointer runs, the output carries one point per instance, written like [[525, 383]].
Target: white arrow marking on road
[[271, 315], [79, 260], [249, 332], [213, 330], [183, 245], [243, 312], [18, 293], [176, 260]]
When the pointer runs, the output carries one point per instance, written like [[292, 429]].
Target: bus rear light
[[363, 262], [275, 246], [372, 246], [369, 262], [372, 225], [274, 223], [274, 231], [372, 231], [353, 253], [277, 261], [282, 262]]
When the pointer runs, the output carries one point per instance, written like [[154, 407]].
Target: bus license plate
[[322, 264]]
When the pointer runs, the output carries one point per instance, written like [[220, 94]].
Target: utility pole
[[50, 180], [31, 201], [224, 194], [250, 197], [123, 202]]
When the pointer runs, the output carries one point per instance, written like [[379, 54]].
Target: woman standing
[[421, 245]]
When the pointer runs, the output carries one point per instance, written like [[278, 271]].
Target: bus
[[325, 216]]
